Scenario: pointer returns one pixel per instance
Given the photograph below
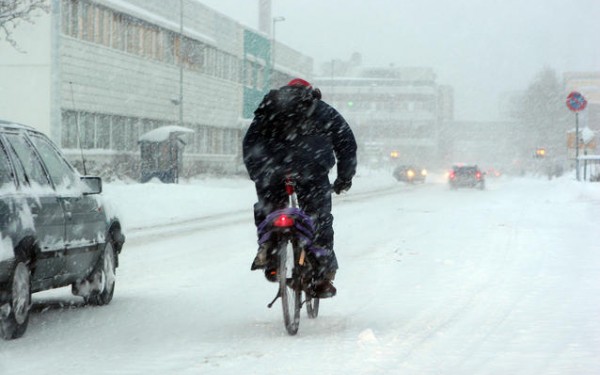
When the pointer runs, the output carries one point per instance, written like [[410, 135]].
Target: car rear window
[[466, 170]]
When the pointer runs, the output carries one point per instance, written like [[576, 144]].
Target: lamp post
[[180, 62], [577, 146], [275, 20]]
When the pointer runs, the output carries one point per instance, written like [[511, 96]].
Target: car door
[[11, 205], [85, 222], [45, 209]]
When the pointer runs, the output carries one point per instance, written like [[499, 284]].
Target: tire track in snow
[[479, 299]]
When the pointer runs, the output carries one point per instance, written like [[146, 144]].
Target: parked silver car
[[55, 230]]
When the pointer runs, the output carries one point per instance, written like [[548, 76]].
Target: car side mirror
[[91, 185]]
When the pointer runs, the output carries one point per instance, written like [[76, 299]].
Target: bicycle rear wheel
[[290, 298], [312, 307], [312, 303]]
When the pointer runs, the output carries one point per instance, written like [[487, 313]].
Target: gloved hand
[[341, 184]]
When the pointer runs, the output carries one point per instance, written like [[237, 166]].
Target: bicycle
[[289, 232]]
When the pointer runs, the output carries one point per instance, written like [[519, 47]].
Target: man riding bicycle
[[294, 131]]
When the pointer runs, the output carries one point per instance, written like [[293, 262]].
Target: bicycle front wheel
[[291, 298]]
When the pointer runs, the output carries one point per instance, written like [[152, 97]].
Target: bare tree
[[12, 12], [543, 114]]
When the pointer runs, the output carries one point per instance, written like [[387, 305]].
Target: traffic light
[[540, 153]]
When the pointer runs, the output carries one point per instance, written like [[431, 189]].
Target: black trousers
[[314, 198]]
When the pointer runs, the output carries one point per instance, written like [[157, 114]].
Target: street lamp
[[180, 63], [275, 20]]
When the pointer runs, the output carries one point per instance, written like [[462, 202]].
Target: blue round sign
[[576, 102]]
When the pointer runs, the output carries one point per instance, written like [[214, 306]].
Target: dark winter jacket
[[303, 135]]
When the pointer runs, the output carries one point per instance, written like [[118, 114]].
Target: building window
[[260, 75], [132, 31], [103, 132], [230, 141], [210, 61], [247, 73], [87, 130], [118, 133], [149, 42], [74, 19], [88, 22], [133, 134], [99, 25], [202, 140], [168, 46], [117, 41], [69, 129], [196, 54]]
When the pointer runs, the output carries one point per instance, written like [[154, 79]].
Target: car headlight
[[410, 173], [424, 172]]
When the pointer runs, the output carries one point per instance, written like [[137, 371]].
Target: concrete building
[[99, 73], [390, 109]]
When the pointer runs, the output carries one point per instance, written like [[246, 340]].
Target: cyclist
[[294, 130]]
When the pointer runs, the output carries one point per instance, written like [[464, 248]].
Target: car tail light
[[451, 175], [478, 175], [284, 221]]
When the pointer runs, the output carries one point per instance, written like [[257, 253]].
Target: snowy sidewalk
[[142, 207]]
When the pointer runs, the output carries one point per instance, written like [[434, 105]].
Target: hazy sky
[[482, 48]]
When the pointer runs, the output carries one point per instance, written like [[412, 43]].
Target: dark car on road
[[469, 176], [410, 174], [55, 230]]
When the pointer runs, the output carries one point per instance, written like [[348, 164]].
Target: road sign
[[576, 102]]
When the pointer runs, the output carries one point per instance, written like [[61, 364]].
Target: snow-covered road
[[432, 281]]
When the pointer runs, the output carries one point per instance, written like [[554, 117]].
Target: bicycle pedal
[[294, 284]]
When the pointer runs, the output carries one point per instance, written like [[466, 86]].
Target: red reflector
[[284, 221]]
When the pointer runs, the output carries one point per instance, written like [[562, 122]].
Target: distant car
[[466, 176], [410, 174], [493, 172], [54, 228]]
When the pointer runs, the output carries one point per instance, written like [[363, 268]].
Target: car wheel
[[14, 315], [104, 276]]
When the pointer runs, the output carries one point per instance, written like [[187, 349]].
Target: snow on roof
[[587, 134], [163, 133], [146, 15], [15, 125], [589, 157]]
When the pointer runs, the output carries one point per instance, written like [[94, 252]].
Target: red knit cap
[[299, 82]]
